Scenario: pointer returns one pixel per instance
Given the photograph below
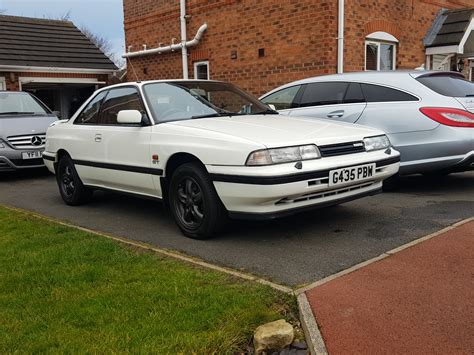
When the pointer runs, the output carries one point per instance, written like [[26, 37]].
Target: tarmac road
[[296, 250]]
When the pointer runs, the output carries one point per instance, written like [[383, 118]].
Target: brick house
[[261, 44], [53, 60]]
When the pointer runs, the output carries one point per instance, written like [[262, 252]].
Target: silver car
[[23, 124], [428, 116]]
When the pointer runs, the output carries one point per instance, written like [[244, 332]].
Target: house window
[[380, 56], [380, 51], [201, 70]]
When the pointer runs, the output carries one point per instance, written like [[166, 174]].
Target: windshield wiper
[[470, 95], [208, 115], [16, 113], [267, 112]]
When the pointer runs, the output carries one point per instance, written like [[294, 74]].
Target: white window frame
[[3, 85], [378, 44], [196, 64]]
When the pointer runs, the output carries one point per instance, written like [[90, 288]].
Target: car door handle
[[333, 114], [98, 138]]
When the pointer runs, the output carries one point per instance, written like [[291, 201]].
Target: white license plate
[[354, 173], [36, 154]]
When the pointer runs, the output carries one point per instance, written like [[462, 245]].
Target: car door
[[339, 101], [127, 165], [80, 141]]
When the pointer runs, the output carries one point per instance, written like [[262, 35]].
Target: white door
[[339, 101], [126, 147], [83, 144], [2, 83]]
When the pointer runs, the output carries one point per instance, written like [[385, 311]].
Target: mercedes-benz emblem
[[36, 141]]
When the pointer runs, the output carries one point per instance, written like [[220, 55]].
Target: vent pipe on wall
[[340, 38], [184, 50]]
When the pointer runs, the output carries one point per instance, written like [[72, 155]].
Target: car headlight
[[283, 155], [376, 143]]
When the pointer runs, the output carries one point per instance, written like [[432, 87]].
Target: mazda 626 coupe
[[211, 151]]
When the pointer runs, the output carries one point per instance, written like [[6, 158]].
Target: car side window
[[90, 114], [378, 93], [317, 94], [354, 94], [283, 99], [126, 98]]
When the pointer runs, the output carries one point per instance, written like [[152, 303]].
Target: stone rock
[[273, 336]]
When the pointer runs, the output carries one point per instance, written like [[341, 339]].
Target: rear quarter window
[[448, 85], [378, 93], [283, 99]]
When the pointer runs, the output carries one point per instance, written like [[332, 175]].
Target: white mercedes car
[[210, 151]]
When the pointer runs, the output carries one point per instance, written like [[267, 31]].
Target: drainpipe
[[340, 38], [184, 49]]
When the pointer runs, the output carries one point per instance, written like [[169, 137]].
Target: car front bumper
[[274, 191], [11, 159]]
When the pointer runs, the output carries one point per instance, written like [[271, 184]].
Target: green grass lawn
[[64, 290]]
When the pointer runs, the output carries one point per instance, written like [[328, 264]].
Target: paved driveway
[[295, 250]]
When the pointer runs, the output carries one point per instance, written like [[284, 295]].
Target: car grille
[[29, 162], [333, 150], [318, 195], [27, 142]]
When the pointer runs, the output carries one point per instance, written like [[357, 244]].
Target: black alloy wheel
[[71, 188], [189, 204], [194, 202]]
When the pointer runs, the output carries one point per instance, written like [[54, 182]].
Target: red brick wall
[[299, 44], [299, 37]]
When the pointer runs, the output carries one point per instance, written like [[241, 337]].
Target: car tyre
[[194, 203], [71, 188]]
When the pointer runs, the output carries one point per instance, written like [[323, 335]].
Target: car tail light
[[449, 116]]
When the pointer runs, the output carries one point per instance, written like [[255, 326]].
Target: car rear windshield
[[20, 104], [448, 85]]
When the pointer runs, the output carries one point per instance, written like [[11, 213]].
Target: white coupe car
[[210, 150]]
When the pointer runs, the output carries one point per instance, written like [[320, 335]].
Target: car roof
[[141, 83], [389, 78]]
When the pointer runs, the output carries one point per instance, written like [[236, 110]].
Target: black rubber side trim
[[133, 169], [47, 157], [292, 211], [286, 179]]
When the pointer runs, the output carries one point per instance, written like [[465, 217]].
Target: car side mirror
[[129, 117], [57, 114], [272, 106]]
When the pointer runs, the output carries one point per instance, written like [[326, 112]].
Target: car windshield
[[19, 104], [174, 101]]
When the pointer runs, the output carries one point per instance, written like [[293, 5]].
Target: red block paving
[[417, 301]]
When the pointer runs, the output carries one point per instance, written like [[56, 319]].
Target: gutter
[[340, 38], [24, 68]]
